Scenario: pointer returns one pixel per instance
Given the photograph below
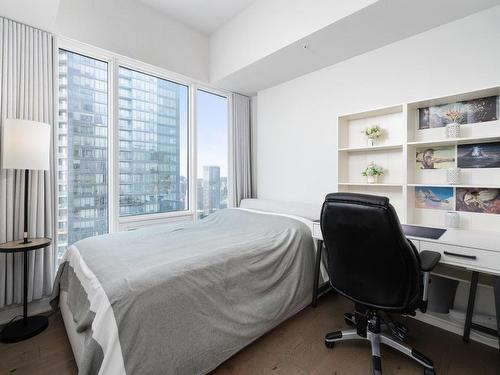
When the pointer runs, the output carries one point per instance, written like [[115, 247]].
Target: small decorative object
[[372, 172], [452, 219], [372, 133], [453, 129], [453, 175]]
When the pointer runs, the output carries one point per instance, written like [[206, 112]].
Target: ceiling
[[204, 15], [382, 23]]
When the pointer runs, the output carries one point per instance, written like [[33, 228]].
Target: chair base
[[371, 332]]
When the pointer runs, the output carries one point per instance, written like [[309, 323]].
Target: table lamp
[[25, 145]]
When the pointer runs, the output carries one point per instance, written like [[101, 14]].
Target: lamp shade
[[25, 145]]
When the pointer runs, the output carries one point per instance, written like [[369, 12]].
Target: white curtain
[[241, 150], [26, 92]]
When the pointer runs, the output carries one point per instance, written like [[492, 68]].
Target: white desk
[[476, 251]]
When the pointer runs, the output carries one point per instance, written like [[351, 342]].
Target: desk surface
[[475, 239], [484, 240]]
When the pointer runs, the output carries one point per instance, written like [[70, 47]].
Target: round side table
[[28, 326]]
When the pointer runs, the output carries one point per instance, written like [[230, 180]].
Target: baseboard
[[34, 308]]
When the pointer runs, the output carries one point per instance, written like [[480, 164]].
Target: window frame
[[115, 61]]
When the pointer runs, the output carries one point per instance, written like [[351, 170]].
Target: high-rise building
[[211, 189], [82, 148], [201, 200], [149, 144], [223, 192], [184, 186]]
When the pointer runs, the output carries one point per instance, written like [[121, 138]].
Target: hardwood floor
[[47, 353], [293, 348]]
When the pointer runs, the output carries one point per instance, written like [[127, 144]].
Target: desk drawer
[[464, 256]]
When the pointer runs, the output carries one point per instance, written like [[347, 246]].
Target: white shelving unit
[[396, 150]]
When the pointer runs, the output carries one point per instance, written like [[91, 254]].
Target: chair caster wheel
[[429, 371], [330, 344]]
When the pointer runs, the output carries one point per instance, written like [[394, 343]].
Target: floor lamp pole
[[25, 237], [26, 184]]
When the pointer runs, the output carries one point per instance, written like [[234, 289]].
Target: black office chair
[[371, 262]]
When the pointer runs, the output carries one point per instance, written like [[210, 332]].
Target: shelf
[[371, 148], [395, 154], [454, 141], [459, 186], [367, 184]]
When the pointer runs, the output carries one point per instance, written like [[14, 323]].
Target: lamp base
[[24, 329]]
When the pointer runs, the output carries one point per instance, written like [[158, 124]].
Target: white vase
[[453, 176], [453, 130], [371, 179], [452, 220], [371, 142]]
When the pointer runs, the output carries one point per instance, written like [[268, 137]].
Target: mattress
[[76, 339]]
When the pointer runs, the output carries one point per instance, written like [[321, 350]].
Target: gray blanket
[[188, 296]]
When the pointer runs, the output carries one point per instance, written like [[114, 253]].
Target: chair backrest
[[370, 261]]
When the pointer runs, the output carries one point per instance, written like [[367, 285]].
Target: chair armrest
[[429, 260]]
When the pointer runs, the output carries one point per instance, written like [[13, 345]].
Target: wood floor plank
[[293, 348]]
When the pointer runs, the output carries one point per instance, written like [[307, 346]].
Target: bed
[[183, 298]]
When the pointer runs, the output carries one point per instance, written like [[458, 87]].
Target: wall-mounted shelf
[[367, 184], [459, 186], [454, 141], [395, 153], [372, 148]]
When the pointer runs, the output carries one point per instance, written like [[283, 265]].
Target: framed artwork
[[471, 111], [481, 200], [479, 155], [432, 197], [435, 158]]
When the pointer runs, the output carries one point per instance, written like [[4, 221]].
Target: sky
[[212, 128]]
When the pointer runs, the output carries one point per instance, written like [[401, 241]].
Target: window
[[153, 144], [114, 171], [212, 150], [82, 149]]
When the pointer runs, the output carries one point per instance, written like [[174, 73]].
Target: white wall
[[269, 25], [126, 27], [38, 13], [296, 127], [134, 30]]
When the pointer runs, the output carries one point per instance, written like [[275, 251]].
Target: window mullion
[[114, 160]]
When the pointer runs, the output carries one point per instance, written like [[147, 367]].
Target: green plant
[[373, 131], [373, 170]]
